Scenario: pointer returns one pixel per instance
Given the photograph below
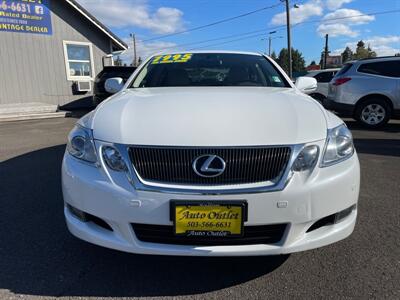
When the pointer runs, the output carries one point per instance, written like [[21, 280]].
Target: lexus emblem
[[209, 165]]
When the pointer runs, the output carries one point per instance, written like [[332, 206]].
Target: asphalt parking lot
[[39, 259]]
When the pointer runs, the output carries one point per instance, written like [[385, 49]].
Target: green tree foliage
[[347, 55], [298, 62], [273, 56], [370, 52], [362, 52], [118, 61]]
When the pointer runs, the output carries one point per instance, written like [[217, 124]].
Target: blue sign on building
[[28, 16]]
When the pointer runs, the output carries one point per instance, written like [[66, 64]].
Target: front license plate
[[208, 219]]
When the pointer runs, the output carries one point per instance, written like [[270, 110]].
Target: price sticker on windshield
[[171, 58]]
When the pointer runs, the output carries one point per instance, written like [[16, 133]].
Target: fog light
[[113, 159], [344, 213], [78, 213], [306, 159]]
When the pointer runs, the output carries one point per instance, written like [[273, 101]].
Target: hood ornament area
[[209, 165]]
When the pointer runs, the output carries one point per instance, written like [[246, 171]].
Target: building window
[[78, 60]]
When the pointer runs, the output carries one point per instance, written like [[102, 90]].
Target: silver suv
[[367, 90]]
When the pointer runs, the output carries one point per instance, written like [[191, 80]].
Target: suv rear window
[[389, 68], [344, 70], [324, 76]]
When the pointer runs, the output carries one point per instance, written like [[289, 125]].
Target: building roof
[[118, 42]]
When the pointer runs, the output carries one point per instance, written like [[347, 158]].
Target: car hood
[[209, 116]]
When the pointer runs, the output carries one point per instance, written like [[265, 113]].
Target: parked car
[[209, 153], [323, 78], [99, 92], [367, 90]]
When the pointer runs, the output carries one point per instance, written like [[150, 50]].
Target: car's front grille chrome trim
[[244, 165], [278, 183]]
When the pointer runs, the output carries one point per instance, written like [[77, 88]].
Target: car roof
[[374, 59], [324, 70], [116, 68]]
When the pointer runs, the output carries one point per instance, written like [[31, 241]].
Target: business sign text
[[29, 16]]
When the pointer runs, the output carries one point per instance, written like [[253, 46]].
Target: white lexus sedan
[[214, 154]]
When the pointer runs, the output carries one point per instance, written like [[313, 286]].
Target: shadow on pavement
[[390, 127], [39, 257], [385, 147]]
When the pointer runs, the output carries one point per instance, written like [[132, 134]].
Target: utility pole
[[134, 49], [289, 42], [326, 51]]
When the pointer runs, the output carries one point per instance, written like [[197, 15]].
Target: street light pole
[[134, 49], [269, 46], [269, 42], [289, 42]]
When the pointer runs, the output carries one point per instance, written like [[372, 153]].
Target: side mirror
[[306, 85], [114, 85]]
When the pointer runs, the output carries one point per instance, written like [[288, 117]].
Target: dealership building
[[51, 51]]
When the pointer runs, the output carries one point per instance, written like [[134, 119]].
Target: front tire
[[373, 113]]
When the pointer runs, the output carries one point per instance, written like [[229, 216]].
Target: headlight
[[339, 146], [306, 159], [80, 144], [113, 159]]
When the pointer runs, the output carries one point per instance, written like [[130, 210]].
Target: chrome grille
[[244, 165]]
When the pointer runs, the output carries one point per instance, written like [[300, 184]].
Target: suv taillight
[[340, 81]]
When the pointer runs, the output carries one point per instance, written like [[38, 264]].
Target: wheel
[[373, 113]]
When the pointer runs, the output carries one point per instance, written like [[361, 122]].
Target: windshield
[[209, 69]]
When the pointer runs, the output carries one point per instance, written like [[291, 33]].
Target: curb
[[32, 116]]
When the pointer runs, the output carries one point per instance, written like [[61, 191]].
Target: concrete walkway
[[29, 111]]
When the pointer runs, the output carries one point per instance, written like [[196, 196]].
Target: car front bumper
[[306, 199]]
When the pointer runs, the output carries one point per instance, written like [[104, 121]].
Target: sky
[[158, 25]]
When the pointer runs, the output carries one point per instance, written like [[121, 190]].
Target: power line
[[215, 23], [278, 28], [326, 21], [251, 34], [227, 42], [300, 23]]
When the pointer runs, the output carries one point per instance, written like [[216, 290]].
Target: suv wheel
[[373, 113]]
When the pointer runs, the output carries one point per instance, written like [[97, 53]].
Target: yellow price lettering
[[176, 57], [186, 57], [166, 59], [156, 59]]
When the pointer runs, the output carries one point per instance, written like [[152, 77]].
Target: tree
[[362, 52], [298, 62], [273, 56], [347, 55], [118, 61], [397, 54], [370, 52], [313, 63]]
